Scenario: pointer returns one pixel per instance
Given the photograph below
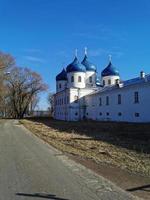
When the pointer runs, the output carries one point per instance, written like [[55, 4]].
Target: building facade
[[80, 94]]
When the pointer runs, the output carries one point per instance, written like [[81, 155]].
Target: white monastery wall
[[128, 110]]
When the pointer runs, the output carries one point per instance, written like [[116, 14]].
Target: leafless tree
[[6, 62], [51, 102], [22, 85]]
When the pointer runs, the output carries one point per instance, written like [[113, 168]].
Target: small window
[[100, 114], [87, 113], [117, 81], [103, 82], [90, 79], [107, 113], [72, 78], [76, 113], [100, 101], [79, 78], [59, 85], [136, 97], [109, 82], [119, 98], [137, 114], [119, 114], [107, 100]]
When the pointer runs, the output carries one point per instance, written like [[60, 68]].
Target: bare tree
[[6, 61], [50, 100], [23, 85]]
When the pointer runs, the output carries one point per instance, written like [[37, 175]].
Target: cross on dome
[[76, 52], [110, 57], [85, 51]]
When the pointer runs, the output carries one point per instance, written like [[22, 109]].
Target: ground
[[32, 169], [118, 151]]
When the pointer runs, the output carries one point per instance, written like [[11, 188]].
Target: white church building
[[81, 95]]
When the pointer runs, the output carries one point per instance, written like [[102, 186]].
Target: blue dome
[[75, 66], [110, 70], [88, 65], [62, 76]]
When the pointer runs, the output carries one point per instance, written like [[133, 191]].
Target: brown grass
[[123, 145]]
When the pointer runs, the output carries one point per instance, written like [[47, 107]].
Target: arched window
[[90, 79], [103, 82], [136, 97], [109, 82], [100, 101], [107, 100], [119, 98], [79, 78], [72, 78]]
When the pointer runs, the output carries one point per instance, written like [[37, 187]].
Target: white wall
[[88, 75], [61, 105], [127, 107], [63, 85], [112, 78], [70, 110], [76, 83]]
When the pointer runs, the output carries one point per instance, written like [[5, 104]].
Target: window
[[79, 78], [59, 85], [107, 113], [90, 79], [72, 78], [87, 113], [103, 82], [100, 101], [109, 82], [117, 81], [119, 114], [119, 98], [76, 99], [137, 114], [107, 100], [136, 97], [76, 113], [100, 114]]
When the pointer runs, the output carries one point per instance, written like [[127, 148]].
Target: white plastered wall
[[76, 83], [107, 78]]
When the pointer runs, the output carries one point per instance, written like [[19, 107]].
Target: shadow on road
[[144, 188], [41, 195]]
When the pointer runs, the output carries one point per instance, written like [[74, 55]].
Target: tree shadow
[[145, 188], [41, 195], [134, 136]]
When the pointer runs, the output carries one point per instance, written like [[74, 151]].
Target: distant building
[[80, 94], [40, 113]]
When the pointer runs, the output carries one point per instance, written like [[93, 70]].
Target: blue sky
[[43, 34]]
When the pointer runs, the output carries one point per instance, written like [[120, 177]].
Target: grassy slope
[[120, 144]]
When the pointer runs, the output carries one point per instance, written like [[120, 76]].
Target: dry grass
[[120, 144]]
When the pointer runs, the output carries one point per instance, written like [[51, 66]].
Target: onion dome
[[62, 76], [75, 66], [110, 70], [88, 65]]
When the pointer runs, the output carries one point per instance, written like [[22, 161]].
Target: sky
[[43, 35]]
